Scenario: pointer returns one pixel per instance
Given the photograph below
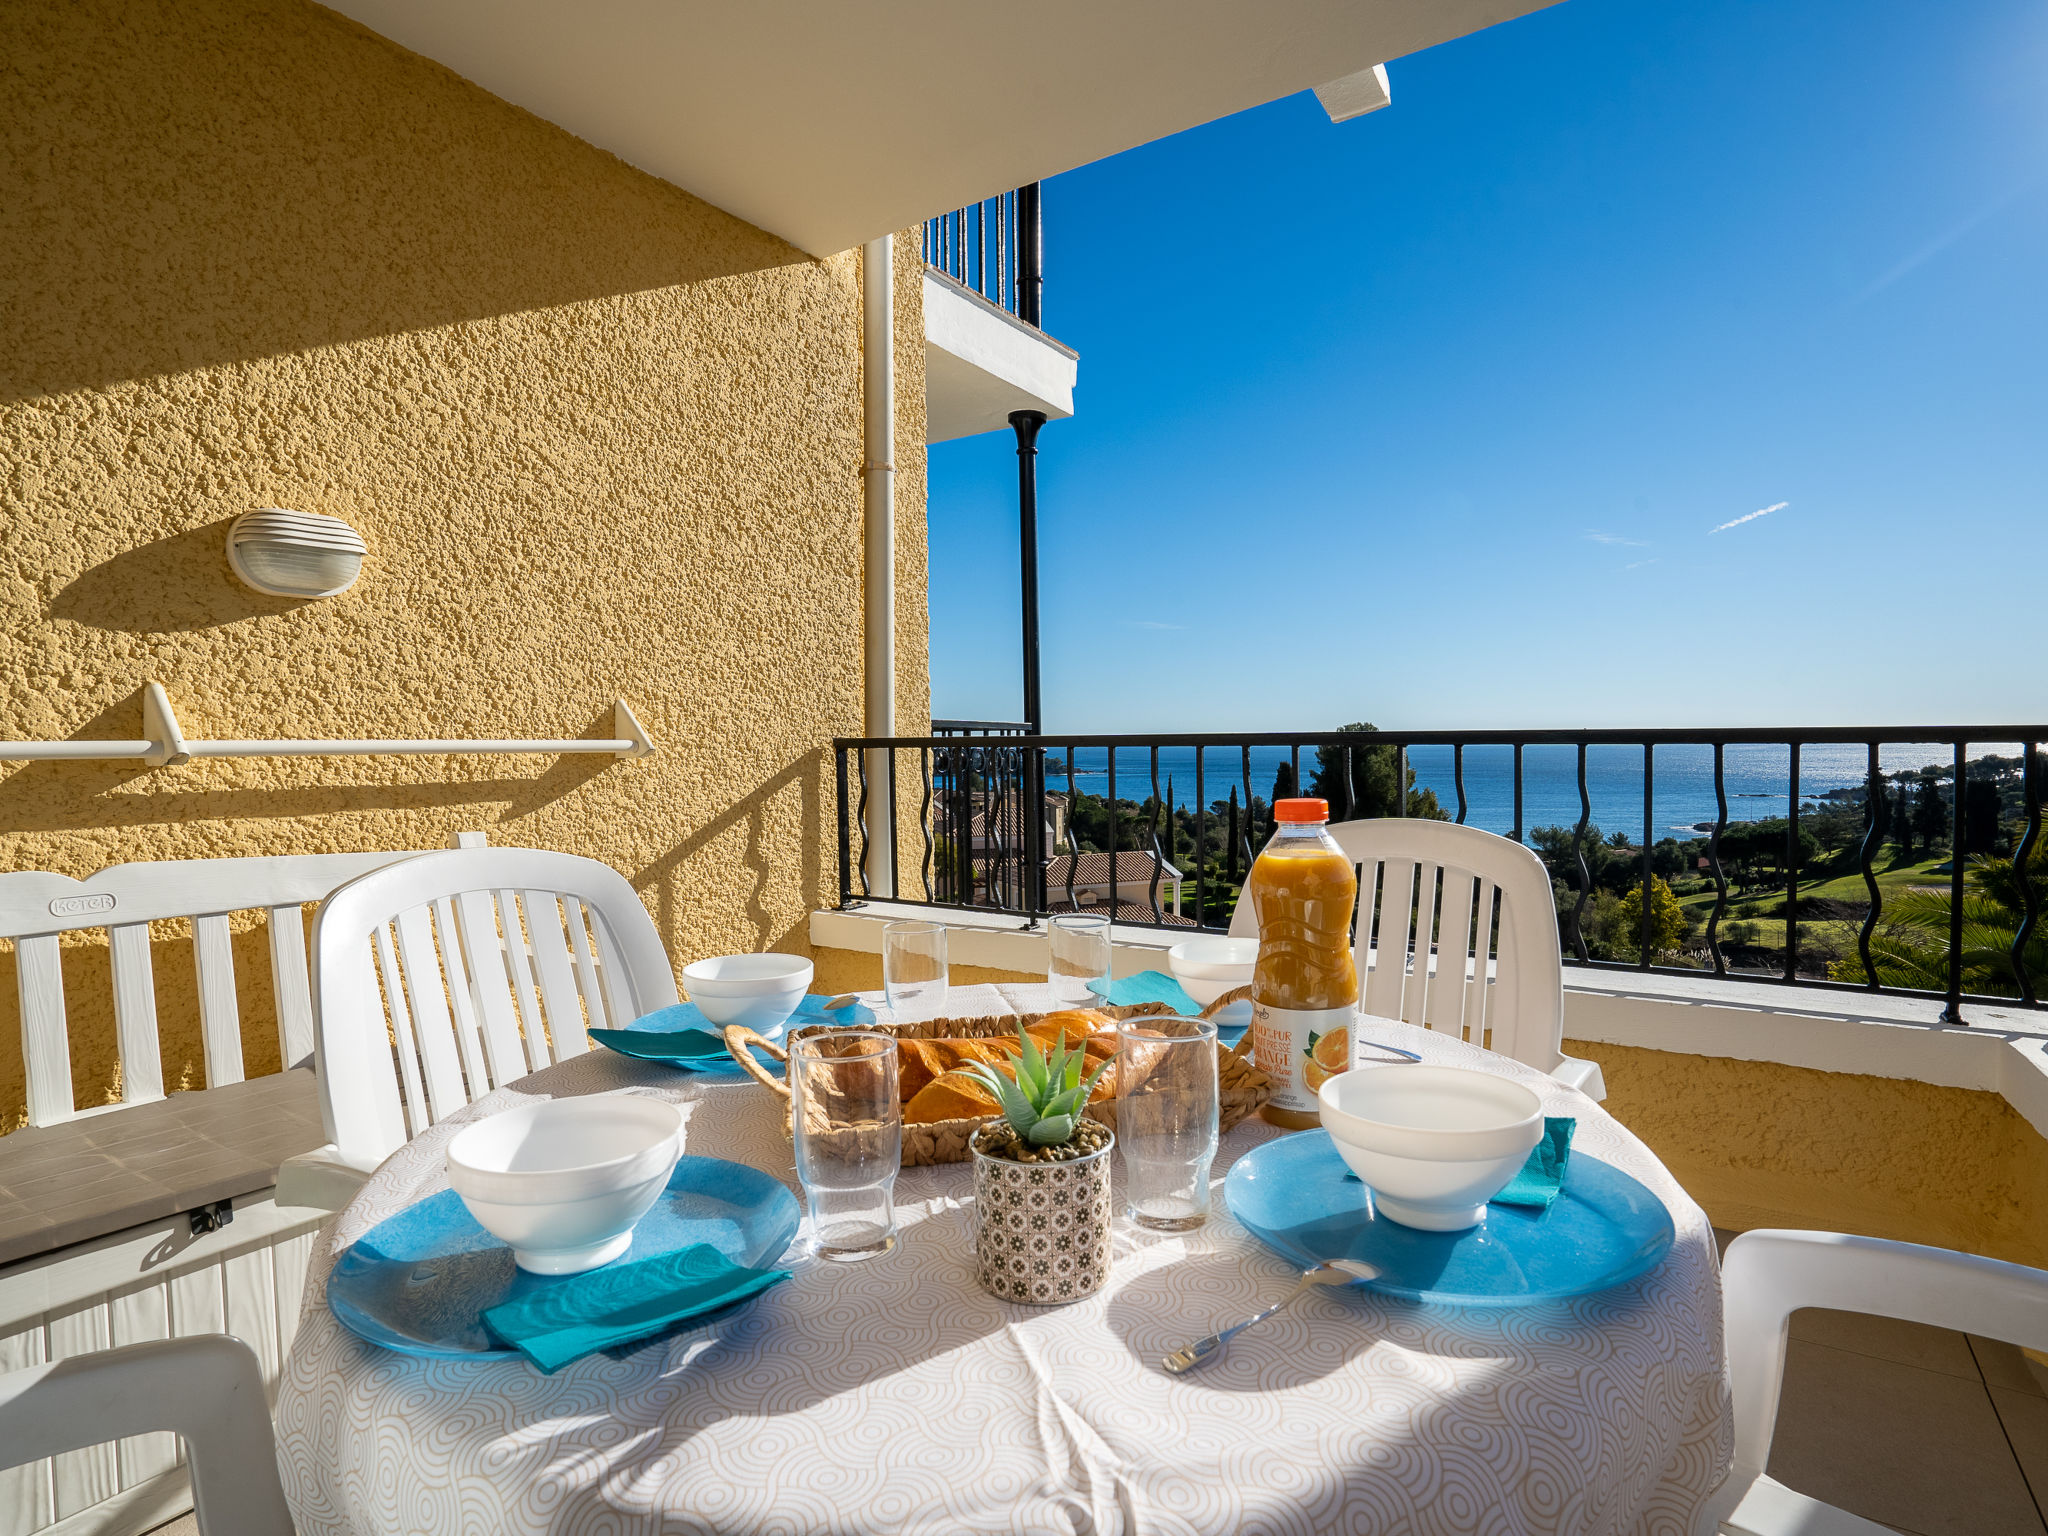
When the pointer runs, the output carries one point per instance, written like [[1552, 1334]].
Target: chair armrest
[[1582, 1075], [323, 1179], [1769, 1508]]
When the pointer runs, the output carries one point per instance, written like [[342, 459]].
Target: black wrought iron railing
[[1904, 860], [995, 248]]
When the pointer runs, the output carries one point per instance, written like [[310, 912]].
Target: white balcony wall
[[981, 363]]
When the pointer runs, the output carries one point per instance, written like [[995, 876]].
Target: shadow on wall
[[197, 185], [150, 590], [658, 882]]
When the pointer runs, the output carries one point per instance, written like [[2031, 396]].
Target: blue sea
[[1758, 779]]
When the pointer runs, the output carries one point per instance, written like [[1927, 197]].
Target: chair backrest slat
[[434, 1029], [1504, 993], [405, 1041], [1445, 1007], [291, 984], [611, 972], [519, 960], [142, 1068], [586, 978], [1415, 994], [461, 999], [39, 983], [486, 958], [1385, 982], [557, 977], [220, 1019], [1478, 990], [574, 944]]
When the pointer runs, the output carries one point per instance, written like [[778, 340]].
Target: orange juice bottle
[[1305, 986]]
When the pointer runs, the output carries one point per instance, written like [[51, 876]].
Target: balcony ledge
[[982, 362], [2001, 1050]]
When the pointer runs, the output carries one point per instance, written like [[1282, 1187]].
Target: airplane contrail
[[1737, 522]]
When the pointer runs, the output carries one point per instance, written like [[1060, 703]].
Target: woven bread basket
[[1241, 1086]]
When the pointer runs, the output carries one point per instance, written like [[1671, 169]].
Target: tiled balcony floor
[[1931, 1432]]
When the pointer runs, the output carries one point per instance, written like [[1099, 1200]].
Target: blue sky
[[1427, 418]]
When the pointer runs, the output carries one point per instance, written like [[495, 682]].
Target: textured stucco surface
[[603, 439], [1759, 1144]]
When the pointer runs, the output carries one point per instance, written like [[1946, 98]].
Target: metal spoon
[[1202, 1351], [1394, 1050]]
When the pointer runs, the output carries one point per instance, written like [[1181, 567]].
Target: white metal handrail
[[167, 745]]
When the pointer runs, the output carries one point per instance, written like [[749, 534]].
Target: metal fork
[[1202, 1351]]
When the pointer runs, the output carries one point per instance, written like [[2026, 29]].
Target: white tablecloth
[[895, 1396]]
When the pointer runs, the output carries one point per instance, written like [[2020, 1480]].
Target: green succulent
[[1044, 1104]]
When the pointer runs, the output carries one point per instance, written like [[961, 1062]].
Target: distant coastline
[[1756, 779]]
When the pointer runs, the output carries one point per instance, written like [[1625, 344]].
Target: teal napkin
[[565, 1319], [1543, 1175], [660, 1045], [1147, 987]]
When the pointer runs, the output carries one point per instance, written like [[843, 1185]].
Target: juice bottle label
[[1299, 1048]]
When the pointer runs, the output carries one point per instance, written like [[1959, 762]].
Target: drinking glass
[[1080, 954], [849, 1140], [1166, 1119], [914, 965]]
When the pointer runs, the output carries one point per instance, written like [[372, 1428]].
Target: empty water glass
[[1080, 954], [849, 1140], [914, 966], [1166, 1119]]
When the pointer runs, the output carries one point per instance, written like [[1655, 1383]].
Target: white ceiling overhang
[[830, 122]]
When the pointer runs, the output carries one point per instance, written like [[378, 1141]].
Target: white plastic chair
[[1770, 1274], [1507, 996], [442, 978], [206, 1389]]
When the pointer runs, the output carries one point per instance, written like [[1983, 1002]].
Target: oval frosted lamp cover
[[295, 554]]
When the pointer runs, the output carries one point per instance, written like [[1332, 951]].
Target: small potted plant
[[1041, 1180]]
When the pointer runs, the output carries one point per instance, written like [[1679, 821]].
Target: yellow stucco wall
[[604, 441], [1759, 1145]]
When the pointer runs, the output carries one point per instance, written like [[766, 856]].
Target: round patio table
[[895, 1395]]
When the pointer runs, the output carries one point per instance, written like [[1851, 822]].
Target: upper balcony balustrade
[[986, 353]]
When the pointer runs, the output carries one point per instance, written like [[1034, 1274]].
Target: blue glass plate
[[420, 1282], [720, 1063], [1295, 1196]]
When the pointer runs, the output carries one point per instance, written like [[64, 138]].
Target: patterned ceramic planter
[[1041, 1230]]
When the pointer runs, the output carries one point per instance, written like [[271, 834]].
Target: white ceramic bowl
[[564, 1181], [759, 991], [1208, 968], [1433, 1143]]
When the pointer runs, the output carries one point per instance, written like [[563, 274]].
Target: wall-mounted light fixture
[[295, 554]]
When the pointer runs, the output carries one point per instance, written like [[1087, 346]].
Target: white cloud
[[1152, 624], [1598, 537], [1638, 564], [1750, 517]]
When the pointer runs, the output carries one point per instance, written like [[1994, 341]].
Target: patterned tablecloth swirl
[[896, 1396]]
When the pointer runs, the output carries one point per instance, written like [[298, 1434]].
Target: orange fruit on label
[[1330, 1055]]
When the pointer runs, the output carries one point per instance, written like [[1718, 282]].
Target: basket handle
[[1234, 995], [737, 1038]]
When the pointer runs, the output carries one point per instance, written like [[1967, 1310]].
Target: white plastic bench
[[98, 1243]]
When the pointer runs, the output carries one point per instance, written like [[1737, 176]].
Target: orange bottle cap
[[1301, 810]]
